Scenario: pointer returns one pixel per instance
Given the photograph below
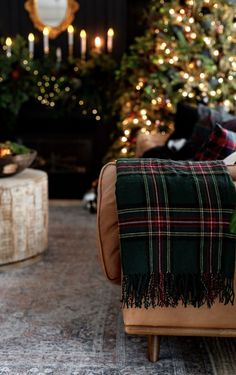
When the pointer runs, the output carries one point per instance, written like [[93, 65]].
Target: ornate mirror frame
[[72, 8]]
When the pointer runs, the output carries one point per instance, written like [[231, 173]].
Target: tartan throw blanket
[[174, 223]]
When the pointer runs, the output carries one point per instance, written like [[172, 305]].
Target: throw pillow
[[201, 132], [208, 117], [221, 143], [185, 118], [230, 125]]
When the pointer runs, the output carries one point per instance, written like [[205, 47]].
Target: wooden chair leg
[[153, 348]]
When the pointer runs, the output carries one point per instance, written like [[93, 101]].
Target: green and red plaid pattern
[[175, 235], [221, 143]]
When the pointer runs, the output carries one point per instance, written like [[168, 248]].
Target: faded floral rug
[[60, 316]]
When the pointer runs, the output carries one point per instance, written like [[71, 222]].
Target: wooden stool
[[23, 216]]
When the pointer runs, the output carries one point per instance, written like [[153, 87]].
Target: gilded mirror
[[57, 15]]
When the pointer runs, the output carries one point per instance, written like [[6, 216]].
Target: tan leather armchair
[[220, 320]]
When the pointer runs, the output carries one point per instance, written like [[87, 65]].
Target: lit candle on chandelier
[[83, 43], [31, 45], [58, 55], [46, 40], [98, 44], [70, 31], [8, 44], [110, 36]]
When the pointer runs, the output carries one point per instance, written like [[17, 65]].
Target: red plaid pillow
[[221, 143]]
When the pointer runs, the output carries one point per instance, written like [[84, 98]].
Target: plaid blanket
[[174, 222]]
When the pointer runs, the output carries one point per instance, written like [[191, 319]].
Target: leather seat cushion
[[218, 316]]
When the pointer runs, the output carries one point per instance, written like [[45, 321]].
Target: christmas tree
[[187, 53]]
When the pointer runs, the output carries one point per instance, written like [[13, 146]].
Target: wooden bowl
[[13, 164]]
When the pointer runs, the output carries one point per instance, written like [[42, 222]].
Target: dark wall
[[136, 21], [95, 16]]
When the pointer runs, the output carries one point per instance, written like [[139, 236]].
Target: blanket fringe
[[166, 290]]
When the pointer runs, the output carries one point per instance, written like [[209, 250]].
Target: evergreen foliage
[[188, 52]]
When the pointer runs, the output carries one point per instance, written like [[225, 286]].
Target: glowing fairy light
[[207, 40], [193, 35], [163, 46], [216, 52]]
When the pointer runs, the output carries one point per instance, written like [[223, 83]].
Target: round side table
[[23, 216]]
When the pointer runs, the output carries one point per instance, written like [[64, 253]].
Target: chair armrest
[[107, 224]]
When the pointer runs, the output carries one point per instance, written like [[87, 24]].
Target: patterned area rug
[[60, 316]]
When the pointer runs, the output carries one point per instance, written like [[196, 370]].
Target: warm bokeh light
[[8, 42]]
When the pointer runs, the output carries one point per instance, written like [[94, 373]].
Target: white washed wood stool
[[23, 216]]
